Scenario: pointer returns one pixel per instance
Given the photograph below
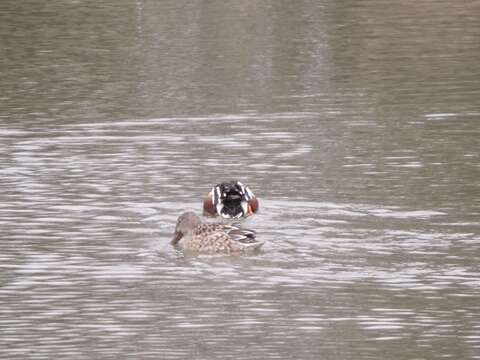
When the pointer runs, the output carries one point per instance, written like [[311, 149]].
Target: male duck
[[230, 199], [191, 234]]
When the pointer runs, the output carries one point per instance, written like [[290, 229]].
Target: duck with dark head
[[230, 199]]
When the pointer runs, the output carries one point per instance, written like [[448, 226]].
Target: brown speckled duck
[[192, 234], [230, 199]]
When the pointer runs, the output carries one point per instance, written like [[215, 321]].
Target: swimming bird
[[230, 199], [192, 234]]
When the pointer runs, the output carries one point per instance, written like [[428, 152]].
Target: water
[[356, 124]]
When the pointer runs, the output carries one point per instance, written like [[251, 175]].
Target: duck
[[193, 235], [230, 199]]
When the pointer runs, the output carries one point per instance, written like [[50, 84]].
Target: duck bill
[[176, 237]]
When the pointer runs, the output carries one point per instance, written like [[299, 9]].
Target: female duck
[[192, 234]]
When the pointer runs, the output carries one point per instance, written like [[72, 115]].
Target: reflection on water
[[355, 124]]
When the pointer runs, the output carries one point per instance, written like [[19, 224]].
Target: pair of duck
[[231, 200]]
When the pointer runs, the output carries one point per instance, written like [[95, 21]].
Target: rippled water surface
[[355, 123]]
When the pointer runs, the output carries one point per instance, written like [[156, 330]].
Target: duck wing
[[219, 237], [245, 238]]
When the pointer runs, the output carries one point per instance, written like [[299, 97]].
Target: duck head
[[185, 223], [231, 199]]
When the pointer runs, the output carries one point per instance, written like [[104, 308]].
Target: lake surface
[[356, 123]]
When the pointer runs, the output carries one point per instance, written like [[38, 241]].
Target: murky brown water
[[355, 122]]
